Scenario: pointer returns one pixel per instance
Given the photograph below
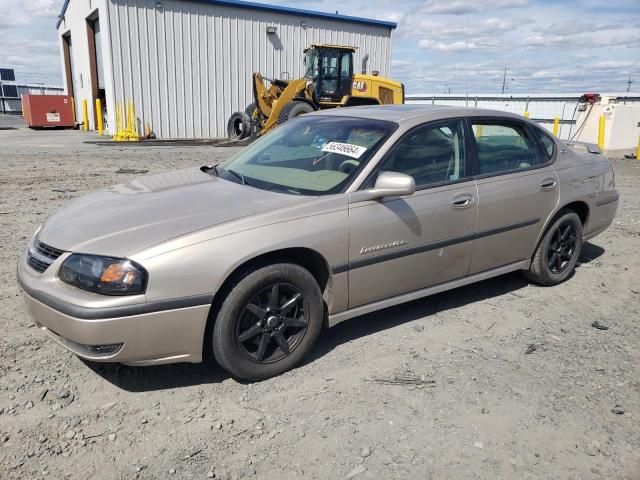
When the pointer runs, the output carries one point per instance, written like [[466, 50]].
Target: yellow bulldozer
[[329, 82]]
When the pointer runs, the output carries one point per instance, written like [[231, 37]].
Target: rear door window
[[503, 147]]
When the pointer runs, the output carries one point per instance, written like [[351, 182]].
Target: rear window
[[548, 144]]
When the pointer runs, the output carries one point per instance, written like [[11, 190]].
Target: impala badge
[[382, 246]]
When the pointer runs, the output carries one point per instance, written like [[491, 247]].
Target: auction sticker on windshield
[[348, 149]]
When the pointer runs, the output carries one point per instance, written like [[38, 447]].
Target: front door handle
[[548, 184], [463, 201]]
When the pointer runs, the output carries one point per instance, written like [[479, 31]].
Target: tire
[[251, 108], [249, 316], [555, 258], [294, 109], [239, 126]]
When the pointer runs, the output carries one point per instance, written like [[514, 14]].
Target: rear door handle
[[548, 184], [463, 201]]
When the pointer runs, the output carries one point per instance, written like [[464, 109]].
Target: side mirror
[[388, 184]]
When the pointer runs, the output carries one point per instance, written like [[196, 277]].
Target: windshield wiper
[[236, 174]]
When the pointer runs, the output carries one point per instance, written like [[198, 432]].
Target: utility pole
[[629, 82], [504, 79], [4, 110]]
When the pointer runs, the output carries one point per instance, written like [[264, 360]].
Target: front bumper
[[98, 329]]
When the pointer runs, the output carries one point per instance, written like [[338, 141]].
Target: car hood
[[127, 218]]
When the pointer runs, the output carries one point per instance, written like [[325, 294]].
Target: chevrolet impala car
[[332, 215]]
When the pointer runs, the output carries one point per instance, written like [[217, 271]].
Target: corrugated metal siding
[[542, 108], [188, 66]]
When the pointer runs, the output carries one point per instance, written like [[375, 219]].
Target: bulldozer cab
[[330, 70]]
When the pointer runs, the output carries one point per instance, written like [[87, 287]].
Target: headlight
[[105, 275]]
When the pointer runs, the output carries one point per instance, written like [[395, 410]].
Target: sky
[[457, 46]]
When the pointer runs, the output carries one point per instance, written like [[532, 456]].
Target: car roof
[[413, 112]]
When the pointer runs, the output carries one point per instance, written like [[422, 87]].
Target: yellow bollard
[[556, 126], [126, 130], [638, 149], [118, 117], [601, 133], [85, 115], [526, 114], [99, 116]]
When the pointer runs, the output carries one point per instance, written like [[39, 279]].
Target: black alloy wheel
[[269, 320], [555, 257], [562, 247], [272, 323]]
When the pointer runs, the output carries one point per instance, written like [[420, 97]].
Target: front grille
[[47, 251], [36, 264], [41, 255]]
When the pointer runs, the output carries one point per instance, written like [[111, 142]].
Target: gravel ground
[[501, 379]]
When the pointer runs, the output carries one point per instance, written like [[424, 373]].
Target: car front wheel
[[268, 322], [558, 251]]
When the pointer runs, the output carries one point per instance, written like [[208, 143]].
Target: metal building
[[187, 65]]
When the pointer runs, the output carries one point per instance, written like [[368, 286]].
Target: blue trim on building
[[62, 12], [277, 9]]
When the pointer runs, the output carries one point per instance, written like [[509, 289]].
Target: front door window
[[432, 155]]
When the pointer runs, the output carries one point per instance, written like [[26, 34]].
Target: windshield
[[311, 64], [314, 155]]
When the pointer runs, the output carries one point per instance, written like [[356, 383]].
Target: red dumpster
[[47, 111]]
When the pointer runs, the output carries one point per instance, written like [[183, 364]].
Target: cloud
[[42, 8], [617, 64], [457, 46], [543, 75], [581, 40], [574, 27], [397, 17], [459, 37], [462, 45], [26, 12], [525, 74], [489, 28], [462, 7], [29, 40]]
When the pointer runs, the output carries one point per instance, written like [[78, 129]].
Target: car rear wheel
[[558, 251], [269, 321]]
